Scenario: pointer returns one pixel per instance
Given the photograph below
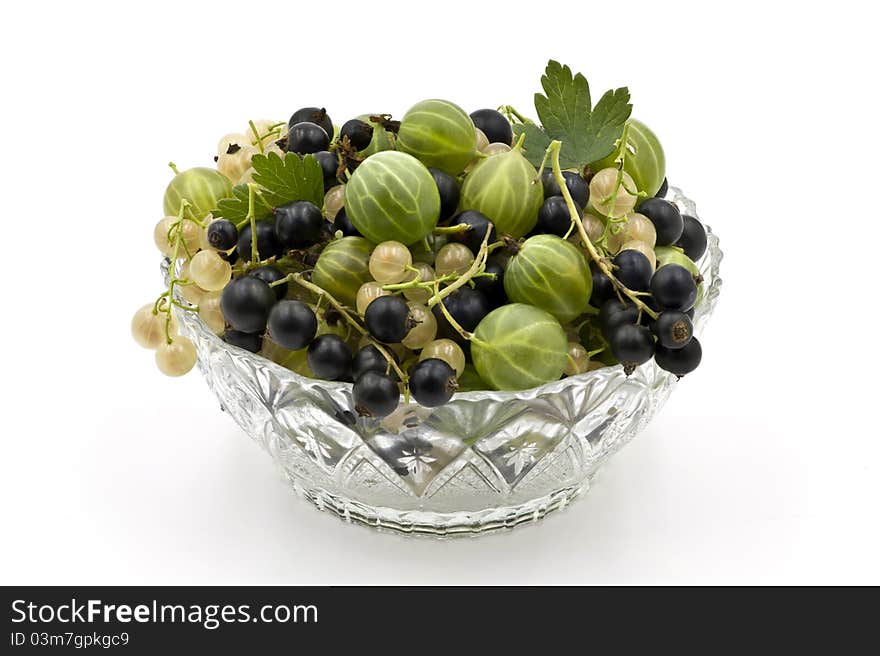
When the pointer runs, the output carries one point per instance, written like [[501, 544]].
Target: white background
[[762, 468]]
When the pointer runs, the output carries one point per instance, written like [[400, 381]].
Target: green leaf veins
[[235, 209], [566, 113], [281, 180], [289, 178]]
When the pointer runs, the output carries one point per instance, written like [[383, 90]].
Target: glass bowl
[[483, 462]]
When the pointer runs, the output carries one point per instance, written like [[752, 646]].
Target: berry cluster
[[428, 255]]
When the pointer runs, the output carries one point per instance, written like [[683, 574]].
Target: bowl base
[[435, 524]]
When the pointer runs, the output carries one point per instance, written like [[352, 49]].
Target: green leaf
[[535, 144], [566, 113], [235, 209], [289, 178], [606, 122]]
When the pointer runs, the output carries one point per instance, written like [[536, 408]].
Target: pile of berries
[[427, 255]]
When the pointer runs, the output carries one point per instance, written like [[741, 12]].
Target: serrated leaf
[[235, 209], [289, 178], [565, 110], [535, 143], [606, 122], [587, 133]]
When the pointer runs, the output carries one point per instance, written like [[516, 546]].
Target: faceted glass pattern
[[485, 461]]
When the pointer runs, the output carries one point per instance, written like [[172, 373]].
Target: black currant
[[603, 288], [369, 358], [344, 224], [663, 190], [329, 162], [666, 219], [305, 138], [577, 186], [492, 287], [614, 313], [269, 274], [329, 357], [449, 190], [298, 224], [252, 342], [477, 224], [633, 270], [673, 329], [359, 133], [467, 307], [554, 217], [632, 345], [674, 288], [386, 319], [494, 125], [267, 244], [351, 163], [432, 382], [246, 303], [316, 115], [231, 257], [292, 324], [375, 395], [222, 234], [693, 238], [680, 361]]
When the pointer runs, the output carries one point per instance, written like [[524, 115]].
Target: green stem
[[157, 305], [251, 216], [173, 167], [321, 293], [178, 238], [263, 200], [553, 149], [451, 230], [510, 111], [417, 282], [611, 200], [477, 266], [541, 168], [259, 142], [452, 322]]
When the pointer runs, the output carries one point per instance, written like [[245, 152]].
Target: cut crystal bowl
[[483, 462]]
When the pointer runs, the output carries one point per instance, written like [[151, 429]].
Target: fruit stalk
[[510, 112], [173, 279], [251, 216], [553, 151], [611, 200], [478, 266], [321, 293]]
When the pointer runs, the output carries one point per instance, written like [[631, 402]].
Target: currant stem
[[173, 167], [553, 150], [321, 293], [541, 168], [452, 322], [178, 239], [477, 266], [251, 216], [451, 230], [510, 111], [259, 142], [494, 246], [611, 200], [416, 282]]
